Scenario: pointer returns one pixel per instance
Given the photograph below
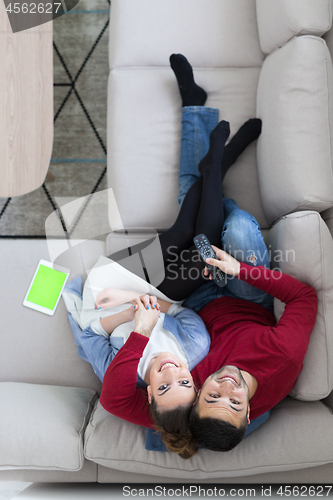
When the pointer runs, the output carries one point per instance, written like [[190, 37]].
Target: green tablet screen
[[46, 287]]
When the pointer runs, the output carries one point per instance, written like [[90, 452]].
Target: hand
[[225, 262], [146, 315], [111, 297], [130, 314], [111, 322], [148, 301]]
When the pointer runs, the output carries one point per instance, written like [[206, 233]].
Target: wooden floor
[[78, 163]]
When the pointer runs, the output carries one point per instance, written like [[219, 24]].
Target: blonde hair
[[183, 444]]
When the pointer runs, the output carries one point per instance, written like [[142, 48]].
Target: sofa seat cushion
[[301, 245], [42, 426], [144, 134], [211, 34], [280, 20], [294, 101], [36, 348], [290, 439]]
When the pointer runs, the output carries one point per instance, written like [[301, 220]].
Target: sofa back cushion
[[282, 443], [295, 103], [220, 39], [280, 20], [144, 138], [302, 246], [211, 34]]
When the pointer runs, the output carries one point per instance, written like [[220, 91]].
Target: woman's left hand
[[145, 316]]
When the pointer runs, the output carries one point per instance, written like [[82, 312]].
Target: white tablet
[[46, 287]]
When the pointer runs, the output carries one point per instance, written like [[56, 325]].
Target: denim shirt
[[186, 326]]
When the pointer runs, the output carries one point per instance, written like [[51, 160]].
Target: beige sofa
[[264, 58]]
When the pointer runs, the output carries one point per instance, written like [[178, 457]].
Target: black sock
[[247, 133], [191, 93]]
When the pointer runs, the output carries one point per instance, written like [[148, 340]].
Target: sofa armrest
[[301, 245], [42, 426]]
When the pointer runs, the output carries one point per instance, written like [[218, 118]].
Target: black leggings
[[201, 212]]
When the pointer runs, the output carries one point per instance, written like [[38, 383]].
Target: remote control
[[205, 248]]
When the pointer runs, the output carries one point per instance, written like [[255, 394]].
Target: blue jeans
[[197, 124], [241, 235]]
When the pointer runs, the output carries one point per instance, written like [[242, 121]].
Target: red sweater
[[246, 335], [243, 334]]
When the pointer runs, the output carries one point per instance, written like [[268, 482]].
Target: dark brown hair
[[215, 434]]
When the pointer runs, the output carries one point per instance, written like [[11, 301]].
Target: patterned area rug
[[78, 164]]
